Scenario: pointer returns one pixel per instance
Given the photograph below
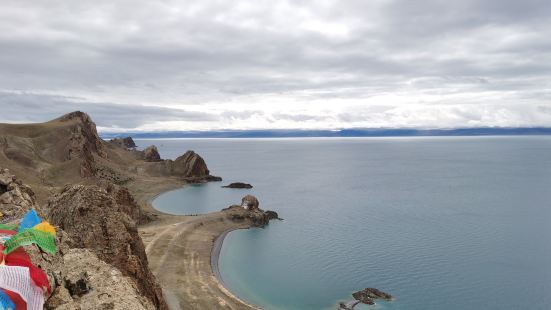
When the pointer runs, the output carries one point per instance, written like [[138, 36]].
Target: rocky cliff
[[94, 219], [79, 279]]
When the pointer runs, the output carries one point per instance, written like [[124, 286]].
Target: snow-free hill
[[68, 150]]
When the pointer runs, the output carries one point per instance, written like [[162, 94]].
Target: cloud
[[278, 64]]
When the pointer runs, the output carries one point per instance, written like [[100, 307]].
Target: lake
[[438, 222]]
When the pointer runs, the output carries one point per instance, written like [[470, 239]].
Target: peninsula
[[98, 194]]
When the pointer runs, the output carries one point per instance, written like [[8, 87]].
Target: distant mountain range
[[502, 131]]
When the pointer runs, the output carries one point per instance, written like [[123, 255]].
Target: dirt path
[[179, 251]]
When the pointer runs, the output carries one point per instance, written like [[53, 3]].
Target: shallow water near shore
[[440, 223]]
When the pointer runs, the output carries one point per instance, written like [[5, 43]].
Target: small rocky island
[[238, 185], [366, 296]]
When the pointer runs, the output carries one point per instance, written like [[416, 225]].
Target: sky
[[218, 64]]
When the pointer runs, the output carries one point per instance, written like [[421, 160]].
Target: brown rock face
[[127, 142], [15, 197], [126, 202], [190, 165], [84, 142], [79, 280], [95, 220], [151, 154], [82, 281]]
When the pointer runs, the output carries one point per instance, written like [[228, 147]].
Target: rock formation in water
[[366, 296], [190, 167], [238, 185], [127, 143], [249, 211], [94, 219], [151, 154]]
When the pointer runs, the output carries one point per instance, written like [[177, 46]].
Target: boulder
[[250, 202], [96, 220], [238, 185], [151, 154]]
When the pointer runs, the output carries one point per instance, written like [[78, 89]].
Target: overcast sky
[[218, 64]]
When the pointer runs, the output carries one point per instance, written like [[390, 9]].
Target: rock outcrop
[[369, 295], [151, 154], [126, 202], [15, 197], [190, 167], [238, 185], [79, 280], [250, 202], [84, 142], [94, 219], [249, 211], [127, 143]]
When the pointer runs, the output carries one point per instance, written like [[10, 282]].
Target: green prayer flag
[[43, 240]]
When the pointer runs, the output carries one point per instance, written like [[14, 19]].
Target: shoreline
[[183, 253], [214, 263]]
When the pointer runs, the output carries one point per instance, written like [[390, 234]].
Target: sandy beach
[[183, 253]]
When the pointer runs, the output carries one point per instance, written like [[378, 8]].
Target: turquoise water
[[440, 223]]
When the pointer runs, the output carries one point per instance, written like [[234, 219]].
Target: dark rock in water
[[212, 178], [348, 305], [272, 215], [238, 185], [151, 154], [250, 202], [368, 295], [127, 142]]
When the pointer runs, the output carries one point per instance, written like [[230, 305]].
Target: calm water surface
[[440, 223]]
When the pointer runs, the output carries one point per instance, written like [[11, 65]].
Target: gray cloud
[[28, 107], [278, 63]]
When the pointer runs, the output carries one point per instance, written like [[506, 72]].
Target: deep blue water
[[440, 223]]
